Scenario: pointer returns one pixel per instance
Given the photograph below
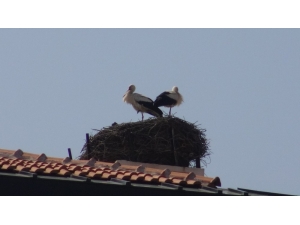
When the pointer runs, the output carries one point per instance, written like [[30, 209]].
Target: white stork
[[169, 99], [141, 103]]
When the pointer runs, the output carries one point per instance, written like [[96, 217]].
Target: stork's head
[[175, 89], [131, 88]]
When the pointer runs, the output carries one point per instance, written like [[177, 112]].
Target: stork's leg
[[142, 116], [170, 111]]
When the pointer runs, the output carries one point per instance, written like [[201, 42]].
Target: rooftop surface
[[16, 165]]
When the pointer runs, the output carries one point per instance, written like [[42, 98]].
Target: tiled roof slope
[[12, 161], [24, 173]]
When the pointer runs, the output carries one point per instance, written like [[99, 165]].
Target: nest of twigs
[[167, 140]]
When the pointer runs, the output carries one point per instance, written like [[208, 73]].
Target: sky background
[[241, 85]]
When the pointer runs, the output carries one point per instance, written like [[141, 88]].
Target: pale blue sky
[[242, 85]]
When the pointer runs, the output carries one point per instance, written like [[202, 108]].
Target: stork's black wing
[[164, 100]]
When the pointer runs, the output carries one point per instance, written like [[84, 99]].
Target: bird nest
[[166, 140]]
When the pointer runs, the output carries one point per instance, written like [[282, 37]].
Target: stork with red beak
[[169, 99], [141, 103]]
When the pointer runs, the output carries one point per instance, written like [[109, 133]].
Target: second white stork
[[169, 99], [141, 103]]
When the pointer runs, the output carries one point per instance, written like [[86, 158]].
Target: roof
[[23, 173]]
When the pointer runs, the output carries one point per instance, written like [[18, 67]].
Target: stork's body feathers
[[141, 103], [169, 99]]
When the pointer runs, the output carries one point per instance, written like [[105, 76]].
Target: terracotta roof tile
[[130, 173], [116, 173], [185, 176], [3, 163], [15, 163], [194, 183], [140, 177], [96, 175], [64, 172], [46, 166], [55, 164], [50, 170], [18, 161], [8, 167], [87, 169], [36, 169], [107, 175], [205, 180], [179, 182], [59, 167], [80, 173], [22, 168], [73, 168], [123, 176], [215, 182], [164, 180], [151, 179]]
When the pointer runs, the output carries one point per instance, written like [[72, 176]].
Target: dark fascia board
[[265, 193], [16, 184], [136, 188]]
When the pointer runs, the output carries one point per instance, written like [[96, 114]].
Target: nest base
[[167, 141]]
